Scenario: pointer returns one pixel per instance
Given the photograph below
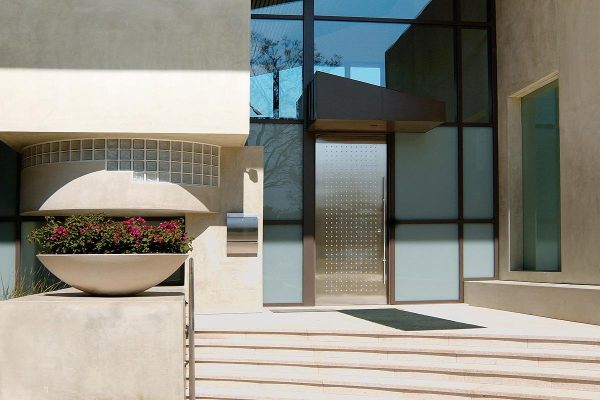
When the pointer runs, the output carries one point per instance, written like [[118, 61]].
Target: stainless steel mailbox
[[242, 234]]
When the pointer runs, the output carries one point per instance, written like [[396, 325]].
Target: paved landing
[[327, 319]]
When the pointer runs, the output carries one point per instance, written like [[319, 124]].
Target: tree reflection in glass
[[282, 168]]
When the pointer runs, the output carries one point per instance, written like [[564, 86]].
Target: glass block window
[[150, 160]]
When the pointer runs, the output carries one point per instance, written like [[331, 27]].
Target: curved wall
[[67, 188]]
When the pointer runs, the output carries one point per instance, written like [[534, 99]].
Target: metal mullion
[[492, 68], [406, 21], [308, 231], [426, 221], [277, 16], [390, 218], [282, 222], [285, 121]]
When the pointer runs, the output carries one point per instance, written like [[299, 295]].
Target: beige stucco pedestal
[[67, 345]]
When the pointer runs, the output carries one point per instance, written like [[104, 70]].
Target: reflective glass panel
[[473, 10], [476, 87], [427, 262], [8, 181], [478, 173], [404, 9], [421, 62], [283, 168], [282, 264], [7, 258], [284, 7], [541, 179], [478, 251], [409, 58], [275, 69], [426, 174]]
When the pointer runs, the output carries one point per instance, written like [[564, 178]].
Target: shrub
[[98, 234]]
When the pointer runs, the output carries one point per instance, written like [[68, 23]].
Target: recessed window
[[541, 179]]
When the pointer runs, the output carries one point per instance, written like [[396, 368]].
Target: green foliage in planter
[[98, 234]]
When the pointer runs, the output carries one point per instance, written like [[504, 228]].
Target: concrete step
[[319, 350], [474, 373], [283, 386], [421, 338]]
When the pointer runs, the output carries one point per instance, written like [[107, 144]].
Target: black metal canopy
[[338, 104]]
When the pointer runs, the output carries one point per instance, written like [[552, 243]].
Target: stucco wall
[[69, 346], [148, 66], [222, 283], [81, 187], [537, 39]]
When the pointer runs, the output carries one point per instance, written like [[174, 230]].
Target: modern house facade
[[393, 152]]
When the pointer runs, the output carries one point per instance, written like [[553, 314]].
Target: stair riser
[[311, 392], [373, 357], [400, 340], [349, 373]]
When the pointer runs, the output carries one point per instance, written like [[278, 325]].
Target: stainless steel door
[[350, 224]]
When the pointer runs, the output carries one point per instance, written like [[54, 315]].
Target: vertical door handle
[[384, 220]]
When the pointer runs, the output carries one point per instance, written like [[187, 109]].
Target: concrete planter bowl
[[112, 274]]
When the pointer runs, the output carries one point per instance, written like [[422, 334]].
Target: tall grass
[[31, 281]]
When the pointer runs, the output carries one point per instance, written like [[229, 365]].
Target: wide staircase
[[320, 365]]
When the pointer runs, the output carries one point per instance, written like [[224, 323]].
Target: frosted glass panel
[[478, 173], [427, 262], [478, 251], [427, 174], [282, 269], [7, 257]]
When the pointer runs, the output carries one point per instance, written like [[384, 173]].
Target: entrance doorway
[[350, 209]]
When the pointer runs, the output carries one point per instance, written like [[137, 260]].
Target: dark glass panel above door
[[421, 62], [275, 69], [473, 10], [475, 76], [402, 9], [281, 7], [413, 59]]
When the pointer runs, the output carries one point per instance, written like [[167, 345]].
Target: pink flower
[[59, 232], [135, 232]]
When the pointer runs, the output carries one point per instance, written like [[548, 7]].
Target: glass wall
[[427, 175], [443, 191], [427, 264], [275, 69], [541, 179], [282, 249], [8, 218]]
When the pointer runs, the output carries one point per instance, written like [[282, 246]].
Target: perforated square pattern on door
[[350, 224]]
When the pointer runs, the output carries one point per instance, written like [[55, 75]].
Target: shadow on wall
[[123, 34]]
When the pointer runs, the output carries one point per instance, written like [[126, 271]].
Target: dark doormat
[[405, 320]]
